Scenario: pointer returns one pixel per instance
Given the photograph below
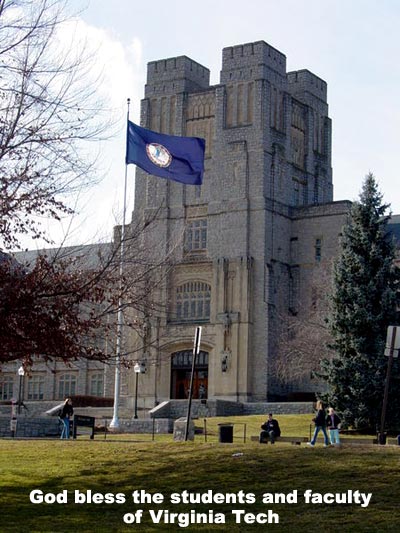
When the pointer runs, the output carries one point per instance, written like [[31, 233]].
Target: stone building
[[255, 232], [57, 380], [250, 244]]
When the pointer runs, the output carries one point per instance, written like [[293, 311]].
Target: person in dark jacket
[[66, 414], [270, 430], [320, 425], [333, 424]]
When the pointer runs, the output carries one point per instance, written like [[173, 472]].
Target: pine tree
[[364, 302]]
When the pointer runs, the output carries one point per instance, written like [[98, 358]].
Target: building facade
[[249, 251], [253, 233], [55, 380]]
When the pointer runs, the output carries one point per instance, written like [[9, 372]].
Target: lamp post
[[139, 368], [21, 373]]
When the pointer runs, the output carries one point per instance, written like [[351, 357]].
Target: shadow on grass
[[199, 469]]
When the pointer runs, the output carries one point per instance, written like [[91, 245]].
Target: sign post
[[391, 351], [80, 420], [196, 350]]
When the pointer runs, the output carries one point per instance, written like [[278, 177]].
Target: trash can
[[225, 432], [398, 440], [382, 438]]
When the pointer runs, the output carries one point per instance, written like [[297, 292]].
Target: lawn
[[119, 466]]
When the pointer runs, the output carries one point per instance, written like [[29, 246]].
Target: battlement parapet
[[177, 74], [301, 81], [255, 56]]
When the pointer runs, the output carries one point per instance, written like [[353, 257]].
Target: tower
[[268, 155]]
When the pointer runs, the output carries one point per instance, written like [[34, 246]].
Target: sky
[[354, 46]]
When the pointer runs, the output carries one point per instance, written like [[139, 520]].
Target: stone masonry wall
[[51, 427], [31, 427], [178, 408]]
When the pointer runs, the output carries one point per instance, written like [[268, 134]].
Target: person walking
[[320, 425], [66, 414], [333, 424]]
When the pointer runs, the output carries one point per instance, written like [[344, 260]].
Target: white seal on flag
[[158, 154]]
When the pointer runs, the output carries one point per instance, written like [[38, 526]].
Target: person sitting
[[270, 430]]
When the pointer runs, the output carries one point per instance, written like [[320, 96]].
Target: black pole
[[190, 395], [381, 438], [20, 394], [136, 394], [196, 349]]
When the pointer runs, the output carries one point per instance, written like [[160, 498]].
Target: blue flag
[[167, 156]]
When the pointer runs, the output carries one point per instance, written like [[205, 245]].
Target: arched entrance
[[181, 369]]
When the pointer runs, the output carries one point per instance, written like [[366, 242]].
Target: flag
[[167, 156]]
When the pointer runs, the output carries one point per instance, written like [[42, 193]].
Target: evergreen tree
[[365, 301]]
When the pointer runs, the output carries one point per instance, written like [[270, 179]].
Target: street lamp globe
[[21, 373]]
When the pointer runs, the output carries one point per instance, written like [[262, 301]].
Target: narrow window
[[36, 384], [196, 235], [97, 384], [66, 385], [318, 249], [6, 387]]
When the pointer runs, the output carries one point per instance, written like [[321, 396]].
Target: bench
[[292, 440], [343, 440]]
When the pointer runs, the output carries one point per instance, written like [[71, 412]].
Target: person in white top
[[333, 424]]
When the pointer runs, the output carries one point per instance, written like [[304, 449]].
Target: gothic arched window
[[193, 301]]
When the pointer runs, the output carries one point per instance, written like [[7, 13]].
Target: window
[[318, 249], [6, 387], [97, 384], [196, 235], [184, 359], [66, 385], [296, 192], [316, 189], [36, 387], [300, 192], [294, 278], [193, 301], [294, 250], [304, 191], [268, 284]]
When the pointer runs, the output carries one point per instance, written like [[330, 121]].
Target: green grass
[[123, 464], [291, 425]]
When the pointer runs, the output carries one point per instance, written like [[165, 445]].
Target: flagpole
[[114, 424]]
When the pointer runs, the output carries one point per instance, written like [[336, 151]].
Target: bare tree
[[303, 338], [63, 303], [48, 112]]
